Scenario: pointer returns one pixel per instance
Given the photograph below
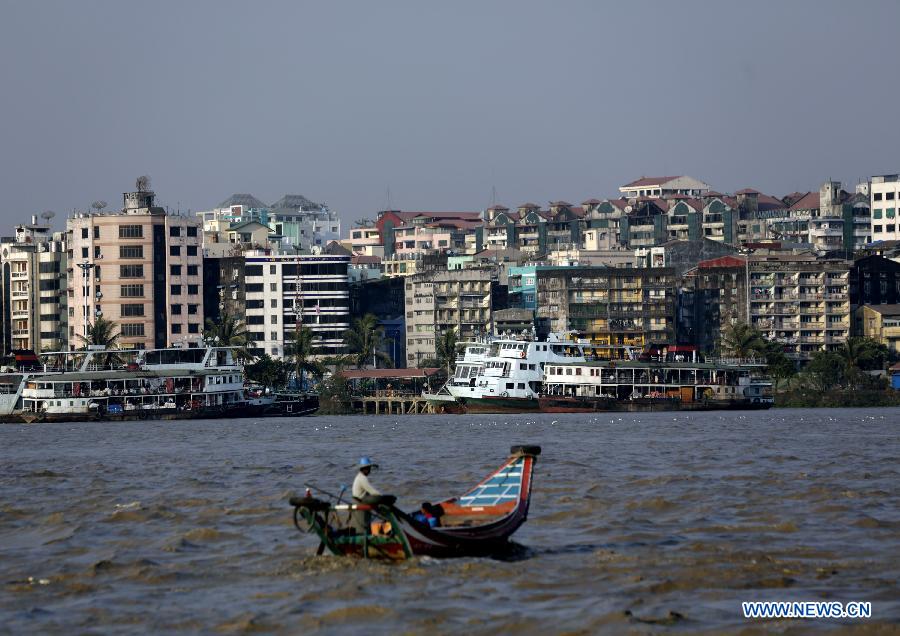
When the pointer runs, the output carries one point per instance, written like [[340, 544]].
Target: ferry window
[[578, 371], [510, 385], [568, 371]]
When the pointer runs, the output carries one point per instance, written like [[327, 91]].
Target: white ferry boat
[[128, 384], [512, 374]]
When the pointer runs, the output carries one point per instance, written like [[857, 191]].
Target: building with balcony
[[34, 301], [140, 268], [800, 301], [714, 295], [284, 289], [662, 187], [438, 301], [619, 310]]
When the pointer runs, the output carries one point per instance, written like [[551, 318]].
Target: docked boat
[[479, 522], [655, 385], [98, 384], [511, 376]]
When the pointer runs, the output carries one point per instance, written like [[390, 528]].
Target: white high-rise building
[[884, 197]]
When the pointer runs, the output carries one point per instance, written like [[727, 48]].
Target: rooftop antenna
[[47, 215], [493, 196], [99, 205], [388, 194]]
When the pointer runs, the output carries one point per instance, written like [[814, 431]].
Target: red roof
[[591, 202], [387, 374], [810, 201], [648, 181], [748, 191], [722, 261]]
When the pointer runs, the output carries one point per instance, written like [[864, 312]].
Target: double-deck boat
[[512, 374], [130, 384], [656, 385]]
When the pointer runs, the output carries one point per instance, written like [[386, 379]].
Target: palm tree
[[742, 340], [303, 351], [102, 333], [365, 340], [863, 353], [445, 350], [229, 331]]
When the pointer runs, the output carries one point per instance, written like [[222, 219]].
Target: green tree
[[445, 349], [365, 342], [102, 333], [271, 373], [778, 364], [826, 370], [229, 331], [864, 354], [334, 396], [742, 341], [303, 352]]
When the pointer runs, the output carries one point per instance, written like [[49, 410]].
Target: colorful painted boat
[[480, 522]]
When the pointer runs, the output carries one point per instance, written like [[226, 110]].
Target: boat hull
[[594, 405], [499, 405]]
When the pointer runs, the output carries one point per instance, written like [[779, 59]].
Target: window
[[253, 288], [96, 251], [194, 327], [889, 196], [131, 251], [176, 327], [274, 303], [132, 329], [876, 228], [131, 231], [84, 252], [96, 232], [274, 319], [191, 250], [193, 290], [132, 291], [193, 270], [272, 269], [192, 310], [876, 213], [254, 304], [174, 250], [255, 320], [174, 231], [176, 310], [175, 290], [889, 228], [84, 232], [253, 270], [192, 230], [131, 271], [877, 196], [273, 286], [175, 270]]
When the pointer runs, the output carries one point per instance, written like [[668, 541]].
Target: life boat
[[479, 522]]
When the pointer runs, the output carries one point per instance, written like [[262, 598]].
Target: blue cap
[[367, 461]]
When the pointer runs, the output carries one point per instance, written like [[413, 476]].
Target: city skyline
[[529, 102]]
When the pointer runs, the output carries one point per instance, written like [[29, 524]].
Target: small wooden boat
[[479, 522]]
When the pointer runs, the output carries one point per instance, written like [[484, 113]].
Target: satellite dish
[[47, 215], [98, 205], [628, 209]]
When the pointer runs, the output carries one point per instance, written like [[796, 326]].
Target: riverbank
[[837, 398]]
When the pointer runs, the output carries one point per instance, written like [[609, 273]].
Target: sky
[[437, 106]]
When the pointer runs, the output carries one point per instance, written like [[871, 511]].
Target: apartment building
[[799, 301], [140, 268], [884, 193], [880, 323], [660, 187], [441, 300], [617, 309], [282, 289], [714, 296], [34, 289]]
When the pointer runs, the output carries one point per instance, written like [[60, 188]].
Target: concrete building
[[385, 299], [280, 288], [799, 301], [880, 323], [34, 289], [617, 309], [714, 296], [140, 268], [441, 300], [884, 193], [661, 187], [874, 280]]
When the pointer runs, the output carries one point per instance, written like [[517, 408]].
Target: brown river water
[[640, 523]]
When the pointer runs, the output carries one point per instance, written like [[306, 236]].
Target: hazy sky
[[439, 102]]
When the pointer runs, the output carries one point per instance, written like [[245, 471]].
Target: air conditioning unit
[[99, 294]]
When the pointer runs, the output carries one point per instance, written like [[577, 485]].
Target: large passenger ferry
[[129, 384]]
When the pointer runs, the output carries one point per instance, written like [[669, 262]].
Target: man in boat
[[362, 488]]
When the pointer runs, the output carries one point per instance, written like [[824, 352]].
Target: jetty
[[391, 391]]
